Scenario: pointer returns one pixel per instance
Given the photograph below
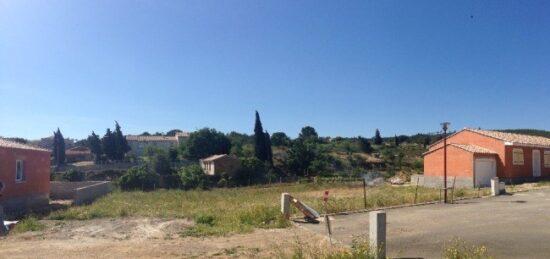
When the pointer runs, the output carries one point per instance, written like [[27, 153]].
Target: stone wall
[[79, 192], [437, 181]]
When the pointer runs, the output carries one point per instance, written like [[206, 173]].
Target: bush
[[192, 177], [139, 177], [458, 249], [160, 163], [73, 176]]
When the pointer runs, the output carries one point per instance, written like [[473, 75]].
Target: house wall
[[468, 137], [459, 162], [138, 147], [208, 167], [34, 191], [525, 170]]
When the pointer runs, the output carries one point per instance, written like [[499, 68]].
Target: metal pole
[[445, 127]]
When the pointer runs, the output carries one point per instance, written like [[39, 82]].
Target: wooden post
[[416, 191], [377, 233], [365, 192], [329, 229], [285, 205]]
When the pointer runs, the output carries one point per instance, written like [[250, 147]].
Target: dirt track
[[145, 238]]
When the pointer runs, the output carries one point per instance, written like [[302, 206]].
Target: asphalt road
[[510, 226]]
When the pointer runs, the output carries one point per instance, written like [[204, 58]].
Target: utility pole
[[445, 126]]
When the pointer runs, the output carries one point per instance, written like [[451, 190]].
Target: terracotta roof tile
[[515, 139], [150, 138], [12, 144], [473, 148]]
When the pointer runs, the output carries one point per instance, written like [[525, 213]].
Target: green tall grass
[[236, 210]]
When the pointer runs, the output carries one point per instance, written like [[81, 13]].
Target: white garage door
[[484, 170]]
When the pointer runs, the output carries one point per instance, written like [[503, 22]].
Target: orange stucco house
[[474, 156], [24, 176]]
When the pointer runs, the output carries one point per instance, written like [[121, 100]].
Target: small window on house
[[19, 172], [517, 155], [546, 158]]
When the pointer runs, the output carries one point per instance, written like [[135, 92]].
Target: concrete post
[[285, 205], [3, 228], [495, 186], [377, 233]]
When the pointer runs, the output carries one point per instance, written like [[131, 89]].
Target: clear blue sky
[[343, 67]]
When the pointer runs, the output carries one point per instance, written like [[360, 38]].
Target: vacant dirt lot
[[146, 238]]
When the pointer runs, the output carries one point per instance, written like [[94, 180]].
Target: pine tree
[[121, 144], [377, 138], [396, 141], [58, 148], [109, 145], [259, 140], [95, 145], [268, 151]]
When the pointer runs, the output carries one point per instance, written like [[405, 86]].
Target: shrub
[[138, 177], [193, 177], [160, 163], [458, 249], [28, 224], [73, 176]]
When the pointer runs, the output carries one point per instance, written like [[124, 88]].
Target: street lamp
[[445, 126]]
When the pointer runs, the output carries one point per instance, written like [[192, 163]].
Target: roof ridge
[[12, 144]]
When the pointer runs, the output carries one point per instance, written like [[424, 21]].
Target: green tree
[[206, 142], [253, 171], [95, 145], [377, 138], [109, 145], [364, 145], [280, 139], [121, 144], [192, 177], [260, 149], [58, 148], [301, 156], [138, 178], [160, 163], [396, 141], [308, 132]]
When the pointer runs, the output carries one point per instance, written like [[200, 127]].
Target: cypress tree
[[95, 145], [121, 144], [377, 138], [58, 148], [108, 144], [259, 140]]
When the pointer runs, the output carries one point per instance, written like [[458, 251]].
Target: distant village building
[[475, 156], [24, 176], [218, 164], [78, 154], [139, 143]]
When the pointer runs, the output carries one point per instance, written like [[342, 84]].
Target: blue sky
[[343, 67]]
